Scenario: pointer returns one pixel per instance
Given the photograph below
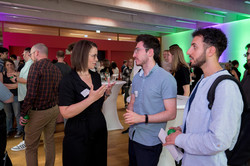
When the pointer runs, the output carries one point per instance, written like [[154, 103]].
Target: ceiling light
[[23, 8], [122, 12], [214, 14], [76, 34], [163, 27], [187, 22], [85, 35], [247, 2], [27, 18], [98, 31], [20, 29], [109, 38]]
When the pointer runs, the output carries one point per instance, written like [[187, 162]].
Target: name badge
[[85, 92], [136, 93]]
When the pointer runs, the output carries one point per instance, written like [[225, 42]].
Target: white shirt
[[210, 132], [22, 88]]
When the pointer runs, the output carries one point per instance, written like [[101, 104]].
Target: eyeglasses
[[138, 49], [246, 54], [32, 53], [93, 56]]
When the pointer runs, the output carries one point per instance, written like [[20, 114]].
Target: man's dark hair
[[125, 61], [3, 50], [113, 65], [27, 49], [13, 56], [151, 42], [71, 46], [213, 37], [235, 62], [247, 46], [174, 45], [60, 54]]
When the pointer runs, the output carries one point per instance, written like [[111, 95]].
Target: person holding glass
[[15, 105], [81, 96]]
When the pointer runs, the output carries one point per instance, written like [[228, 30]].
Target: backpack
[[240, 154]]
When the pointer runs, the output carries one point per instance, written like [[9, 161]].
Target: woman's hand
[[97, 94], [109, 87]]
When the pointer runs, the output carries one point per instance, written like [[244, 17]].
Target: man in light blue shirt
[[152, 104], [22, 89], [206, 134]]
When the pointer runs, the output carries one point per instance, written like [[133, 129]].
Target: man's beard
[[200, 61]]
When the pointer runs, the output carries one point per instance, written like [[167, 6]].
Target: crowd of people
[[36, 91]]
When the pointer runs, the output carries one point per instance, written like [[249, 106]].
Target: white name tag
[[85, 92], [136, 93]]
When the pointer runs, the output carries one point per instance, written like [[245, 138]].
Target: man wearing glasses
[[40, 103], [152, 104], [22, 89]]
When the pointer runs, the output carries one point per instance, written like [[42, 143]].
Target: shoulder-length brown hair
[[178, 58], [80, 55]]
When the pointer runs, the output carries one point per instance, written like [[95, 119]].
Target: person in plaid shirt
[[40, 104]]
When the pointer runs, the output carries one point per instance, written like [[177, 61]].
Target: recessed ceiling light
[[187, 22], [247, 2], [214, 14], [163, 27], [109, 38], [20, 29], [85, 35], [98, 31]]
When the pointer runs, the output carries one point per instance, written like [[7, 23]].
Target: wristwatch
[[146, 118]]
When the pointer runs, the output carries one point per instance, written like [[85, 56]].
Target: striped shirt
[[42, 86]]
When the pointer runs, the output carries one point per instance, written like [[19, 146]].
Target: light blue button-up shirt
[[5, 94], [210, 132], [150, 91], [22, 88]]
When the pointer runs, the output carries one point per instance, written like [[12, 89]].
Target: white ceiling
[[156, 17]]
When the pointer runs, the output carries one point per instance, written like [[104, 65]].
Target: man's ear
[[211, 51], [150, 52]]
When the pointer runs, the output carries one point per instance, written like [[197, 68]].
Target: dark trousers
[[141, 155], [21, 104], [3, 134]]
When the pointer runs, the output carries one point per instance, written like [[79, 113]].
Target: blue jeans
[[15, 106]]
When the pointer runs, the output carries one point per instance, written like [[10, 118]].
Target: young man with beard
[[206, 134], [152, 104]]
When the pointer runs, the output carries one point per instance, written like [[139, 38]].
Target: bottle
[[26, 117], [171, 131]]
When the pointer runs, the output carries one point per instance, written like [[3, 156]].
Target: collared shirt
[[42, 86], [22, 89], [210, 132], [150, 91], [5, 94]]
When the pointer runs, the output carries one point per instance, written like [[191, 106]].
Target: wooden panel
[[30, 29]]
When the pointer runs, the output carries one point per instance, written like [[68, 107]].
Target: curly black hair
[[213, 37]]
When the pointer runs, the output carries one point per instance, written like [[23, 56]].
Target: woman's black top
[[182, 76], [6, 80]]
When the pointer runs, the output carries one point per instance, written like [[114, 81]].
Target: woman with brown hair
[[180, 70], [81, 96]]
